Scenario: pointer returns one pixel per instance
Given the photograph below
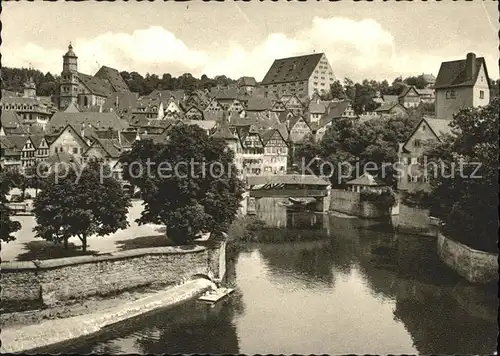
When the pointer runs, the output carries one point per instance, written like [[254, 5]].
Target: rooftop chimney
[[470, 66]]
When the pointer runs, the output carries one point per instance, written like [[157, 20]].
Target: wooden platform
[[216, 295]]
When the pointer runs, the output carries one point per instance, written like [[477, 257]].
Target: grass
[[145, 242]]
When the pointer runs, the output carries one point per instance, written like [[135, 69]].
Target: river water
[[344, 286]]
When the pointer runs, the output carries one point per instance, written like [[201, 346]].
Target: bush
[[27, 196], [16, 199], [384, 198]]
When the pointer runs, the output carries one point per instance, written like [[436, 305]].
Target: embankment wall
[[58, 281], [350, 203], [474, 265]]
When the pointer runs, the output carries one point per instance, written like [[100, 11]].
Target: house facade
[[460, 84], [409, 98], [412, 177], [275, 152], [302, 75]]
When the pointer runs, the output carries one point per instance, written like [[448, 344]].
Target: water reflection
[[350, 286]]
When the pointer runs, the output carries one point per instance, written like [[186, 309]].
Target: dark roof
[[366, 180], [95, 119], [407, 90], [110, 146], [114, 78], [258, 103], [71, 108], [10, 119], [126, 101], [17, 141], [37, 140], [390, 98], [292, 69], [247, 81], [95, 85], [225, 133], [60, 157], [454, 74]]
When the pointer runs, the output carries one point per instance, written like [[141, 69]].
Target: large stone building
[[84, 90], [303, 76], [462, 83]]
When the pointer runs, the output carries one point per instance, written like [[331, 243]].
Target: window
[[423, 127], [482, 78], [75, 150], [481, 94], [450, 94]]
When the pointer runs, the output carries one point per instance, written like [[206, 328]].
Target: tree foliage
[[179, 191], [372, 146], [92, 204], [7, 225], [466, 200], [13, 79]]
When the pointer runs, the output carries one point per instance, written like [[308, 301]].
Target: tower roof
[[70, 52]]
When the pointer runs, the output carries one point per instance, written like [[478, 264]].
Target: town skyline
[[362, 43]]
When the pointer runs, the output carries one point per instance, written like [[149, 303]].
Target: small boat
[[215, 295]]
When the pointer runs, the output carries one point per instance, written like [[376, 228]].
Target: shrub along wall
[[57, 281]]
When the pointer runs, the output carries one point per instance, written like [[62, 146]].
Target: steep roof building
[[302, 75]]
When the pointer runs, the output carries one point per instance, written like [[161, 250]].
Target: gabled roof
[[60, 157], [407, 90], [114, 78], [366, 180], [71, 108], [386, 107], [109, 146], [337, 109], [425, 92], [439, 127], [94, 119], [292, 69], [37, 140], [95, 85], [247, 81], [203, 124], [17, 141], [454, 74], [223, 132], [10, 119]]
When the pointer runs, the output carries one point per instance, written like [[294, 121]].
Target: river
[[345, 286]]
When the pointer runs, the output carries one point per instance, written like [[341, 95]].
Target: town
[[373, 195]]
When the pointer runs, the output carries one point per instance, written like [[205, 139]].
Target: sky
[[362, 40]]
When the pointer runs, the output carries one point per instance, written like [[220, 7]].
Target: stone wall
[[475, 266], [415, 221], [349, 203], [57, 281]]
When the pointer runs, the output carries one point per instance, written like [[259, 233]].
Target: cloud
[[356, 49]]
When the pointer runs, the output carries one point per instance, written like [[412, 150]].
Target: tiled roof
[[406, 91], [287, 179], [114, 78], [429, 92], [95, 119], [126, 101], [386, 106], [258, 103], [366, 180], [292, 69], [390, 98], [213, 116], [17, 141], [225, 133], [71, 108], [337, 109], [10, 119], [203, 124], [110, 146], [439, 126], [454, 74], [95, 85], [317, 108], [247, 81], [37, 140]]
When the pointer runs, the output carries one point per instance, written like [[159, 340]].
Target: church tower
[[29, 89], [69, 79]]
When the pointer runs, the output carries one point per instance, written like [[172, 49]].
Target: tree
[[464, 199], [92, 204], [350, 91], [337, 91], [193, 186], [7, 225]]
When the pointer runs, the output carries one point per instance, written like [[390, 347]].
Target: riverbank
[[20, 338]]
